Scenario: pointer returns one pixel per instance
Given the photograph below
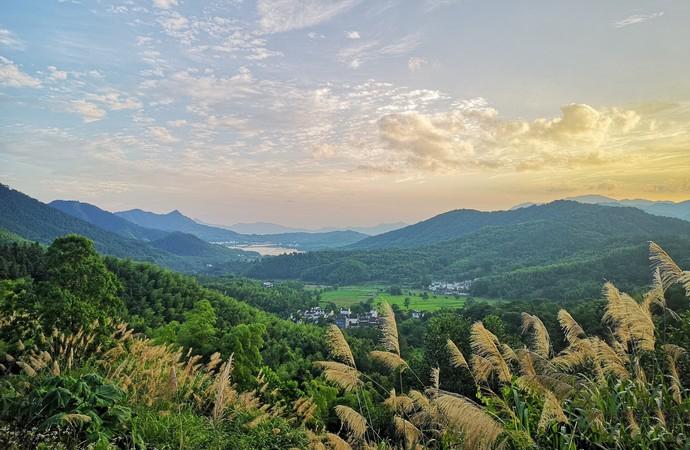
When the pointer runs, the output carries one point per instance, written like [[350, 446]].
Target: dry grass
[[480, 430], [541, 342], [457, 359], [389, 329], [340, 349], [353, 421], [488, 358]]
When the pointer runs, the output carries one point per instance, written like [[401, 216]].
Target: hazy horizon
[[325, 113]]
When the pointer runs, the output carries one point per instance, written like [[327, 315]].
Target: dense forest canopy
[[69, 293]]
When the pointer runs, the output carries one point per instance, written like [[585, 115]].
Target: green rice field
[[350, 295]]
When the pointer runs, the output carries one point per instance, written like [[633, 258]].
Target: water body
[[266, 250]]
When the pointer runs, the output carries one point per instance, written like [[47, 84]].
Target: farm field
[[350, 295]]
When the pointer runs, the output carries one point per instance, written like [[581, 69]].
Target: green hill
[[176, 221], [107, 220], [36, 221], [459, 223], [559, 250], [184, 244]]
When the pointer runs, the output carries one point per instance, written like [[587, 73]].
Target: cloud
[[359, 54], [471, 137], [115, 101], [12, 76], [162, 135], [56, 74], [636, 19], [416, 63], [430, 5], [89, 111], [8, 39], [352, 35], [164, 4], [276, 16]]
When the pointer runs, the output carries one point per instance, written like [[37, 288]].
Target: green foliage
[[524, 255], [79, 408], [282, 299], [199, 328]]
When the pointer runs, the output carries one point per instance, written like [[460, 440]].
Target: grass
[[350, 295]]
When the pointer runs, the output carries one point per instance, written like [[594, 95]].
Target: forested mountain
[[273, 228], [35, 221], [679, 210], [310, 241], [560, 250], [176, 221], [185, 244], [107, 220], [459, 223]]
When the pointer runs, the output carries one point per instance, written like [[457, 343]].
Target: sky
[[315, 113]]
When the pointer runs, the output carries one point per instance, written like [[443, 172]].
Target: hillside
[[311, 241], [679, 210], [36, 221], [176, 221], [107, 220], [565, 250], [459, 223], [184, 244]]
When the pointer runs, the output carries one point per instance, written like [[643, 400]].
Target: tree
[[199, 329], [79, 288], [244, 341]]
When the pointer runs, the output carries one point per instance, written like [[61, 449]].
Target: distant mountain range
[[272, 228], [679, 210], [562, 249], [21, 215], [176, 221], [107, 220]]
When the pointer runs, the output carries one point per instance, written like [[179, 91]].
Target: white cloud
[[356, 55], [115, 101], [430, 5], [475, 137], [277, 16], [164, 4], [88, 111], [352, 35], [637, 18], [315, 35], [8, 39], [12, 76], [162, 135], [177, 123], [56, 74], [416, 63]]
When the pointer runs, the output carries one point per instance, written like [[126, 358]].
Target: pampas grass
[[353, 421]]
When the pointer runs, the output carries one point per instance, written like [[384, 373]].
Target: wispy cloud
[[277, 16], [356, 55], [8, 39], [12, 76], [89, 112], [636, 19], [164, 4]]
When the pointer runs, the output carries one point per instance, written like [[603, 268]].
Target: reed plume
[[353, 421], [339, 348], [480, 430], [486, 346], [541, 342], [457, 359], [389, 330]]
